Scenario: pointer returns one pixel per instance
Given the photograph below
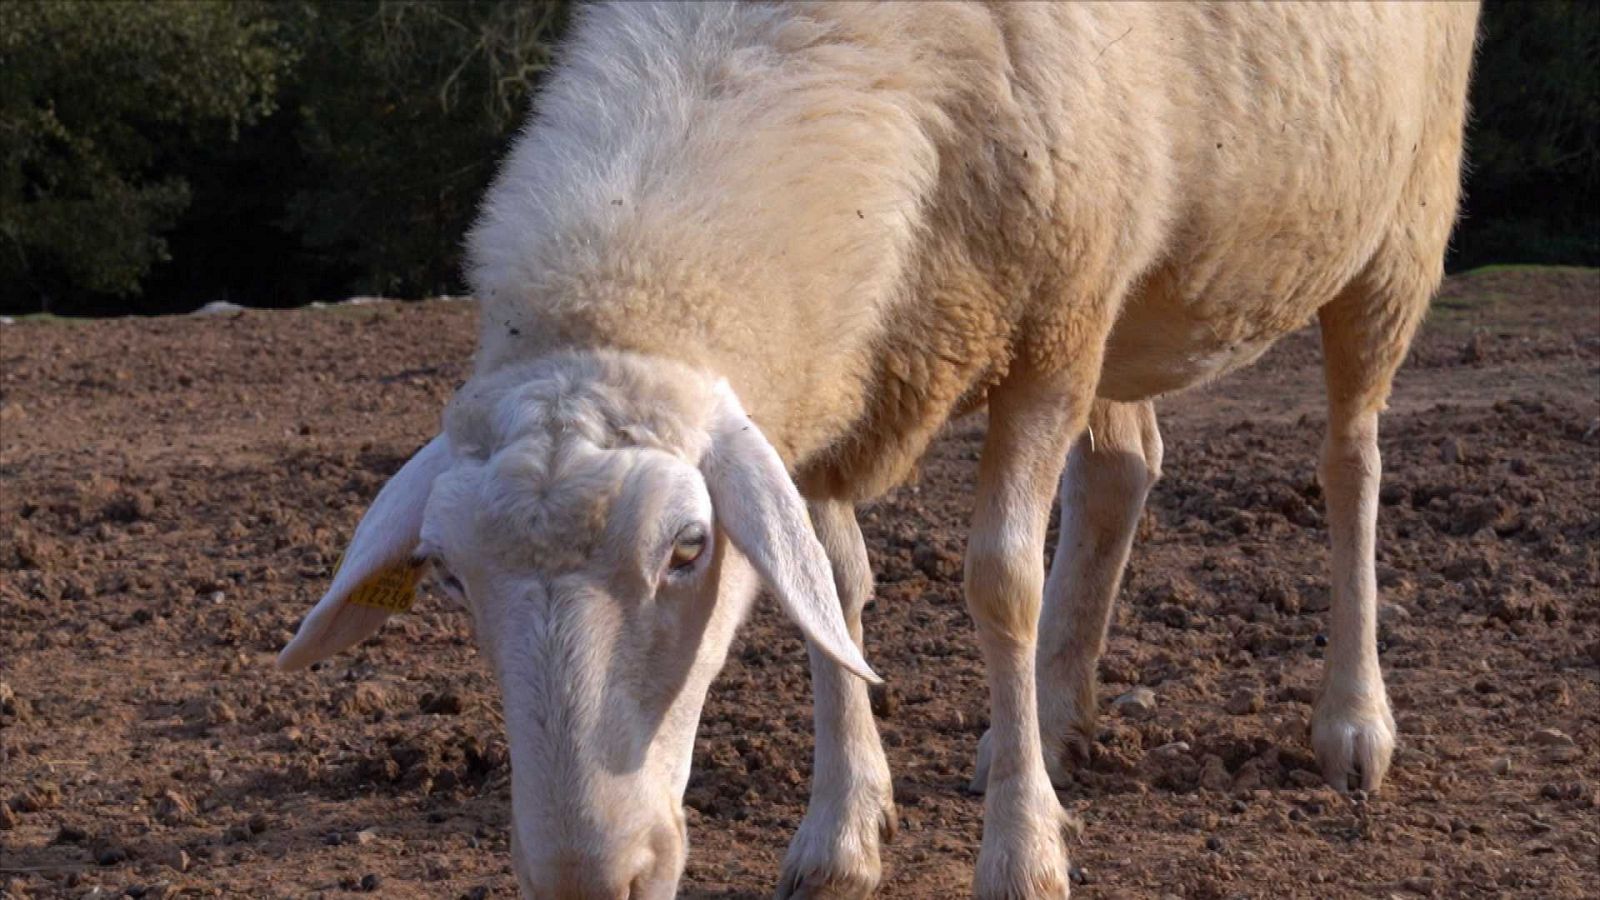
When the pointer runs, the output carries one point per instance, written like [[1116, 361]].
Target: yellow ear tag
[[393, 589]]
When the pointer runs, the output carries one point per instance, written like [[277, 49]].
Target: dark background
[[158, 156]]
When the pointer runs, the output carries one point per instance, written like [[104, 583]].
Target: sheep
[[743, 264]]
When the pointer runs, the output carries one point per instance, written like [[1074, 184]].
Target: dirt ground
[[175, 492]]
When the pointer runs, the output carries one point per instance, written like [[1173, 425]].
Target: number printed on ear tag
[[393, 589]]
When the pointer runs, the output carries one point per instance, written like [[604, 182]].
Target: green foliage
[[1533, 147], [404, 110], [283, 152], [93, 99]]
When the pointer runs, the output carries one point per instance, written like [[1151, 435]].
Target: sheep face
[[607, 522]]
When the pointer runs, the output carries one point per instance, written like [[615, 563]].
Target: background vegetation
[[157, 156]]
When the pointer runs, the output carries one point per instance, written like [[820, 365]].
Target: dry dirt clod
[[446, 703], [37, 798], [174, 858], [173, 807], [1245, 701]]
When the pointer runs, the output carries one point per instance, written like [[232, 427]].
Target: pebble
[[1079, 876], [1451, 451], [1214, 844], [1556, 746], [70, 834], [1138, 703], [1502, 766], [363, 837], [371, 882]]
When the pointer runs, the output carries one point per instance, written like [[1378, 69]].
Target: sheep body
[[864, 215]]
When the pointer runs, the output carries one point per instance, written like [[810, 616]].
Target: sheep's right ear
[[758, 507], [378, 576]]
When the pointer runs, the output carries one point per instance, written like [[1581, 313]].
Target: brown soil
[[176, 490]]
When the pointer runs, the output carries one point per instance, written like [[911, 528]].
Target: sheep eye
[[446, 580], [688, 546]]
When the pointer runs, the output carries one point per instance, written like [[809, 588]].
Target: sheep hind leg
[[834, 854], [1365, 333], [1109, 474]]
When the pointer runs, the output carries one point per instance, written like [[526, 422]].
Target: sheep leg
[[1031, 426], [834, 853], [1364, 337], [1109, 474]]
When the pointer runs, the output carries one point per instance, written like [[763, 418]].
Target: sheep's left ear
[[378, 576], [757, 505]]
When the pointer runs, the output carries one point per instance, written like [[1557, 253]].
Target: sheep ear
[[757, 505], [377, 576]]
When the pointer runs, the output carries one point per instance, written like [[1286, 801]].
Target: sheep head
[[607, 519]]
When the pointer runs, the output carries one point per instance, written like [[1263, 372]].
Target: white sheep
[[745, 262]]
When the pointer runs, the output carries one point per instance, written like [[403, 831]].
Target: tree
[[405, 109], [1533, 142], [94, 99]]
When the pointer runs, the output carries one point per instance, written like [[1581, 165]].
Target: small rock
[[1079, 876], [362, 838], [1391, 613], [111, 855], [1139, 703], [1502, 766], [1214, 844], [8, 819], [371, 882], [478, 893], [1452, 451], [1244, 702], [1551, 737], [70, 834], [1472, 352]]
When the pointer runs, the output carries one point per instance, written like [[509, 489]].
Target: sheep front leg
[[1030, 428], [1352, 729], [1364, 337], [834, 854], [1109, 474]]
